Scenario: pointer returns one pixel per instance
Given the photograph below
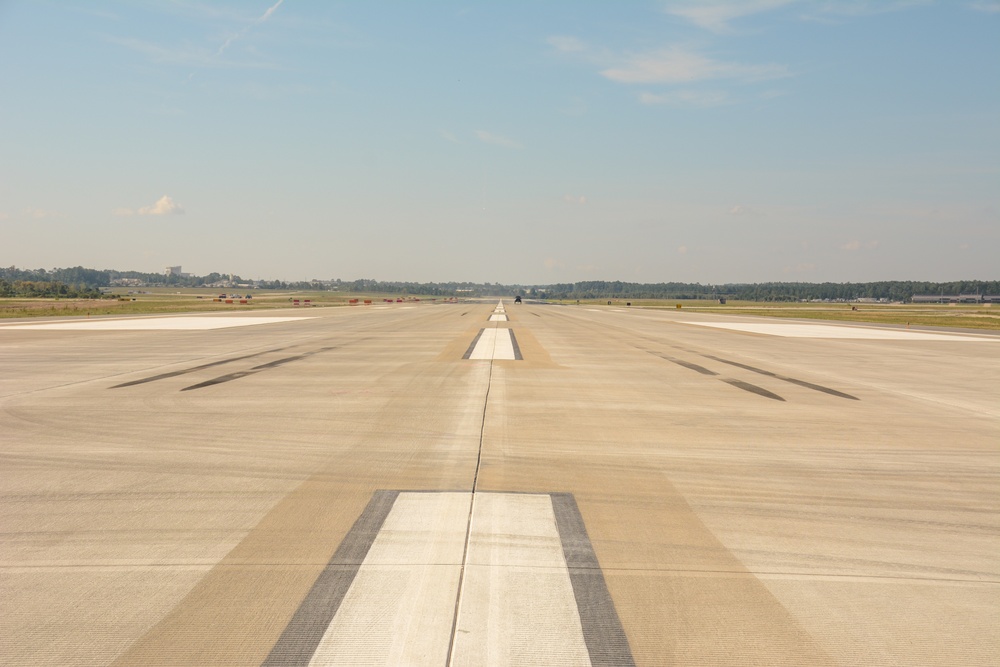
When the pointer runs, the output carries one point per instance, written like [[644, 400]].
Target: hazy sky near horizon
[[516, 142]]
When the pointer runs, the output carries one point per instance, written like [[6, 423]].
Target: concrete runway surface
[[474, 484]]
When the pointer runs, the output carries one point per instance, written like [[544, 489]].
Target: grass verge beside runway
[[163, 300], [961, 316]]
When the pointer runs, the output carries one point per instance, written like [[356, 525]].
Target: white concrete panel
[[151, 324], [498, 317], [518, 605], [796, 330], [400, 607]]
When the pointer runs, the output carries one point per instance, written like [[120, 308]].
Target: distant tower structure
[[174, 271]]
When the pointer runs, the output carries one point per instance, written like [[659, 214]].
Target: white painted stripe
[[518, 605], [400, 606], [152, 324], [494, 344], [495, 317], [795, 330]]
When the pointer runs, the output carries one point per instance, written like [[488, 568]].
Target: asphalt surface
[[411, 484]]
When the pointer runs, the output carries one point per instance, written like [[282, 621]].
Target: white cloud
[[716, 16], [678, 65], [699, 99], [573, 199], [553, 263], [165, 205], [496, 139], [448, 136]]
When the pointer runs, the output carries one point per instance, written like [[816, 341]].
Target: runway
[[497, 484]]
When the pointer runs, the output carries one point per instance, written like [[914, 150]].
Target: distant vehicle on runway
[[517, 299]]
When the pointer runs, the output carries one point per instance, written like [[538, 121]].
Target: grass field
[[166, 300], [961, 316]]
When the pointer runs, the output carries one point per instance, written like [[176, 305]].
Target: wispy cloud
[[988, 7], [717, 16], [866, 7], [855, 245], [567, 44], [801, 267], [496, 139], [448, 136], [165, 205], [741, 209], [679, 65], [191, 55], [187, 55], [575, 199], [40, 213], [235, 36], [700, 99]]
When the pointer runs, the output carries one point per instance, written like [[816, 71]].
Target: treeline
[[897, 290], [84, 281], [47, 289], [95, 278]]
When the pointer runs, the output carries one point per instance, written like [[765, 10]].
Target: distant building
[[956, 298], [126, 282], [176, 271]]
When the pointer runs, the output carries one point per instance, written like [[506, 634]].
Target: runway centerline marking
[[534, 590]]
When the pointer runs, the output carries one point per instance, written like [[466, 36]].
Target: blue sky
[[516, 142]]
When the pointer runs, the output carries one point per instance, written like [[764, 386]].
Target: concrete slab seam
[[303, 633], [472, 346], [517, 348], [602, 629]]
